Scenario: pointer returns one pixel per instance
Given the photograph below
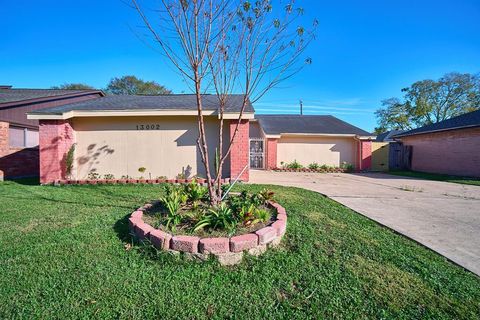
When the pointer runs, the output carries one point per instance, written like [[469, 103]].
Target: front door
[[257, 153]]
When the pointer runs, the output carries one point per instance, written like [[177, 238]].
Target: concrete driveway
[[441, 215]]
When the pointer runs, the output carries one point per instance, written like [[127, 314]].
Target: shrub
[[195, 192], [348, 167], [324, 167], [108, 176], [172, 201], [92, 175], [294, 165], [313, 166]]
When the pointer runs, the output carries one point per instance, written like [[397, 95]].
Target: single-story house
[[448, 147], [18, 135], [156, 136]]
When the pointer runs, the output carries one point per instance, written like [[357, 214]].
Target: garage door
[[331, 151]]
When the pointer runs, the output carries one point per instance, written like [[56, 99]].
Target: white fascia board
[[130, 113]]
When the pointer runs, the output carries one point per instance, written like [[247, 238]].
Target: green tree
[[74, 86], [430, 101], [131, 85]]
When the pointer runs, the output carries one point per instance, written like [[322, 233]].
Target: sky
[[365, 51]]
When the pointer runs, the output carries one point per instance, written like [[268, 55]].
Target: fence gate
[[400, 156], [257, 153]]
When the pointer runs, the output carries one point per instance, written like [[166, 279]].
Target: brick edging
[[228, 251], [130, 181]]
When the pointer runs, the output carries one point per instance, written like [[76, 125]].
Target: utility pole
[[301, 107]]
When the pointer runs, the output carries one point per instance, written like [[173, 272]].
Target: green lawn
[[437, 177], [63, 255]]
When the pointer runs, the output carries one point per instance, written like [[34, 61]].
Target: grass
[[437, 177], [65, 253]]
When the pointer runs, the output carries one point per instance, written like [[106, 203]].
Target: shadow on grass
[[35, 181]]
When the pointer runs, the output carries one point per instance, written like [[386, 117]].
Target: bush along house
[[155, 137], [19, 136]]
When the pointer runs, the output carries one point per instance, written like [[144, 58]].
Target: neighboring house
[[449, 147], [118, 135], [19, 135], [387, 136]]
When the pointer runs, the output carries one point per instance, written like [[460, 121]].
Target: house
[[448, 147], [18, 135], [322, 139], [156, 136]]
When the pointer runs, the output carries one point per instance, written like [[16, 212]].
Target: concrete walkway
[[441, 215]]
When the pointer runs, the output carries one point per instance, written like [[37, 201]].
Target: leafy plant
[[125, 177], [69, 158], [92, 175], [162, 178], [108, 176], [294, 165], [195, 192], [267, 194], [142, 169], [220, 217], [263, 215], [313, 166], [348, 167], [324, 167], [181, 175]]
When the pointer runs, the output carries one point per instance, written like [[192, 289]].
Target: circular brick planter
[[229, 251]]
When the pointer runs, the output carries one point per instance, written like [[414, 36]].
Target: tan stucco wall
[[322, 150], [114, 146]]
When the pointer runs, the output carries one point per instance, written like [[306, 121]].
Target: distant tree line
[[126, 85], [430, 101]]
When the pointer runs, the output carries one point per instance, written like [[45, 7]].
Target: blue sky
[[365, 50]]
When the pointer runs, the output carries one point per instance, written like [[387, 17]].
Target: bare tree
[[225, 47]]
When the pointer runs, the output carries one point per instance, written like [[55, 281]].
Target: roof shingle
[[467, 120], [16, 95], [138, 102], [307, 124]]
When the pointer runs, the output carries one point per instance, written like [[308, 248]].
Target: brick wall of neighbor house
[[56, 138], [454, 152], [16, 162], [240, 150], [271, 154]]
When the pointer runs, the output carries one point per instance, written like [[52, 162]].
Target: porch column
[[239, 156], [271, 153], [56, 138], [365, 155]]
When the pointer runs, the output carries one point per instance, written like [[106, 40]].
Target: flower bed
[[332, 170], [131, 181], [228, 250]]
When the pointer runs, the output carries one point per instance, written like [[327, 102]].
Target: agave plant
[[220, 217]]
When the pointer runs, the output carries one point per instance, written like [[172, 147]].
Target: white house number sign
[[148, 126]]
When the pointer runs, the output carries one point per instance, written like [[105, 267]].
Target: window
[[22, 137]]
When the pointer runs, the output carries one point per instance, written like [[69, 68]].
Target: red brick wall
[[454, 152], [366, 155], [56, 138], [239, 156], [271, 154], [16, 162]]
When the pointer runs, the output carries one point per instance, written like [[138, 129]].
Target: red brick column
[[4, 143], [240, 153], [56, 138], [271, 154], [366, 152]]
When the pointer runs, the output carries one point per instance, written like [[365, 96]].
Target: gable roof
[[9, 96], [467, 120], [186, 102], [388, 135], [307, 124]]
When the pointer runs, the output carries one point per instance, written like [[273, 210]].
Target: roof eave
[[406, 134], [43, 99]]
